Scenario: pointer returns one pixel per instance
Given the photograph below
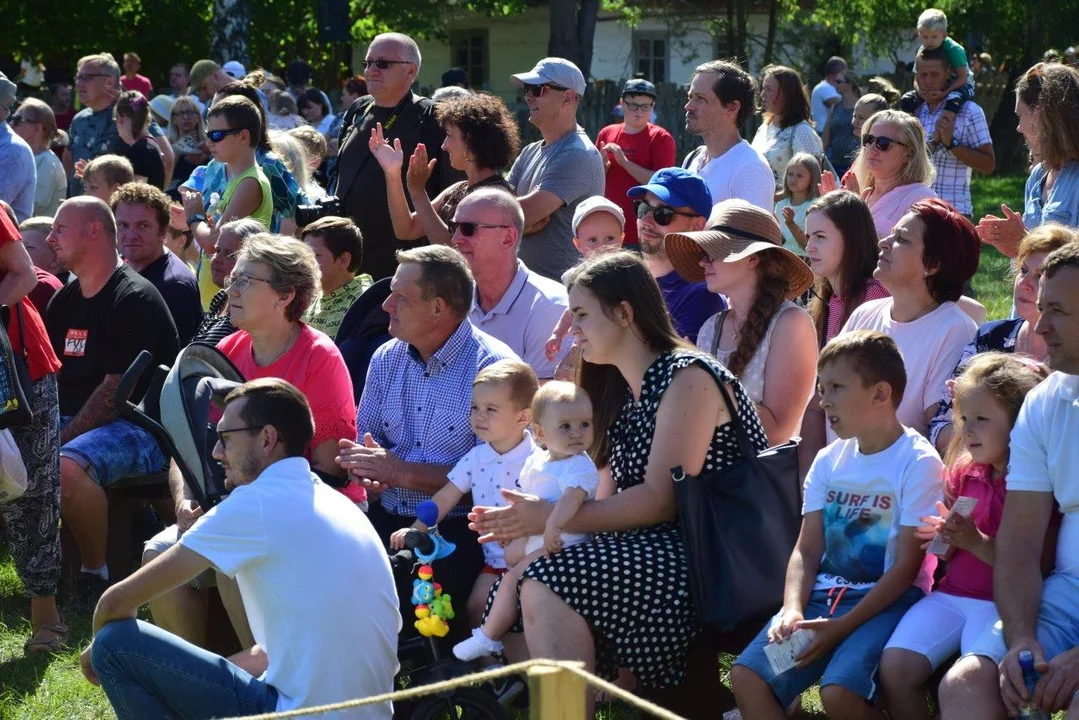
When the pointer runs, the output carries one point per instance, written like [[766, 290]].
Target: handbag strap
[[22, 335], [719, 318], [741, 435]]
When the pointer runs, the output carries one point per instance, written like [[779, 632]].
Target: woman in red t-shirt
[[33, 521]]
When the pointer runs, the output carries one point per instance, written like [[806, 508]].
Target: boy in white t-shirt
[[501, 413], [858, 565]]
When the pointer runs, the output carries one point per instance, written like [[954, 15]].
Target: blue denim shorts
[[117, 450], [1058, 629], [852, 665]]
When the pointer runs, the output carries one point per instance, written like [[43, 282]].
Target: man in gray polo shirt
[[553, 175], [512, 303]]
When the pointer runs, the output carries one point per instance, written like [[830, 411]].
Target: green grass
[[52, 688]]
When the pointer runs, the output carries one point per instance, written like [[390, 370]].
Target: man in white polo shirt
[[1043, 471], [512, 303]]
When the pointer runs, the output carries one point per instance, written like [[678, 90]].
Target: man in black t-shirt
[[142, 222], [97, 325], [393, 61]]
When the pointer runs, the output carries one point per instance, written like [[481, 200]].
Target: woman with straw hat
[[741, 255]]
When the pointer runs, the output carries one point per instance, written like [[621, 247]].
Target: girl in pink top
[[988, 396]]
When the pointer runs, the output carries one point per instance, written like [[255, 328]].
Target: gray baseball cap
[[557, 71], [7, 92]]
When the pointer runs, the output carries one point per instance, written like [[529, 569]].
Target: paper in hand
[[964, 506], [782, 656]]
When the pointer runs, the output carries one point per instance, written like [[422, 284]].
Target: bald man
[[392, 64], [512, 303], [97, 325]]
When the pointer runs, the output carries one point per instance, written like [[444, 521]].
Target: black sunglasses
[[219, 135], [882, 143], [468, 229], [383, 64], [662, 214], [538, 90]]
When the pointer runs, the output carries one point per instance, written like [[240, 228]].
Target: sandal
[[37, 645]]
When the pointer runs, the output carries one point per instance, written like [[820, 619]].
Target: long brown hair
[[772, 288], [616, 278], [793, 92], [851, 216], [1051, 90]]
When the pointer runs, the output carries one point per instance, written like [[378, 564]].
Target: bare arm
[[538, 206], [19, 276], [566, 507], [804, 563], [99, 408], [982, 159], [962, 74], [169, 570], [446, 499], [168, 157], [638, 172], [1017, 580], [254, 661], [427, 216], [788, 376]]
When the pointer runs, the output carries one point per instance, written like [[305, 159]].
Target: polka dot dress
[[632, 587]]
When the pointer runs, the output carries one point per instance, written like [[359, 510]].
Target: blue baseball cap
[[678, 188]]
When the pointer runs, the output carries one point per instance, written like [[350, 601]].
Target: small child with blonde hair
[[933, 34]]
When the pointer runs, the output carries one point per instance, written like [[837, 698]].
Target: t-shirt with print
[[316, 585], [485, 473], [328, 311], [177, 285], [741, 172], [652, 148], [572, 169], [865, 500], [102, 335], [1045, 455]]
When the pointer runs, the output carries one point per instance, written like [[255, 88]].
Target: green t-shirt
[[264, 214], [957, 56]]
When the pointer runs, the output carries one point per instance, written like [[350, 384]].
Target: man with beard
[[675, 201]]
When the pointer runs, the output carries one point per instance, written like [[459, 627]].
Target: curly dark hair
[[488, 128]]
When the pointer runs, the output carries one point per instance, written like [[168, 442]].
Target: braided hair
[[772, 288]]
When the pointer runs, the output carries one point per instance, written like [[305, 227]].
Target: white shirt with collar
[[525, 317]]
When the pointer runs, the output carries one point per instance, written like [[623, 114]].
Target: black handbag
[[14, 376], [739, 526]]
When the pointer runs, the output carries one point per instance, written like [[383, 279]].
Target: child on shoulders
[[933, 35], [858, 565], [988, 396], [562, 473]]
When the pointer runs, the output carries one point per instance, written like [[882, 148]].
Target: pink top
[[967, 575], [873, 291], [894, 204], [315, 366]]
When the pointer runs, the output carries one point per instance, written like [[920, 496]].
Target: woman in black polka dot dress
[[622, 600]]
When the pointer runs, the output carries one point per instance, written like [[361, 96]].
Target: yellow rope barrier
[[474, 679]]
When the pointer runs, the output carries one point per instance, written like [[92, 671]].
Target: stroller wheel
[[462, 704]]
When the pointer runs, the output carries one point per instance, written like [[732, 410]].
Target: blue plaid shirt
[[420, 410]]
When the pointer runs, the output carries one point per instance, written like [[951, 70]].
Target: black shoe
[[89, 588]]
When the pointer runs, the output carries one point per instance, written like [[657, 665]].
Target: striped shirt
[[873, 291]]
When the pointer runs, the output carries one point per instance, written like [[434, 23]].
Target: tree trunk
[[741, 48], [770, 41], [573, 31], [231, 19]]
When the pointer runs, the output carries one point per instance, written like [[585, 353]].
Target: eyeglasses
[[662, 214], [383, 64], [217, 136], [87, 77], [638, 107], [17, 120], [538, 90], [468, 229], [882, 143], [240, 281], [222, 434]]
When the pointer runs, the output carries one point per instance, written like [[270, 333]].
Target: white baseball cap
[[235, 69], [557, 71], [597, 203]]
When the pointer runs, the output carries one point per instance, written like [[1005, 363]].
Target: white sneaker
[[476, 646]]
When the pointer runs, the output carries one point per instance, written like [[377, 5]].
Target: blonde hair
[[115, 169], [520, 377], [313, 142], [1045, 239], [292, 267], [933, 19], [292, 153], [40, 112], [1007, 377], [555, 393], [811, 164], [919, 168], [185, 102]]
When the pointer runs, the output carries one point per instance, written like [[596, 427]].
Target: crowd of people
[[564, 321]]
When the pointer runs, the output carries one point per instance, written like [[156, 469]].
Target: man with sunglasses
[[634, 149], [675, 201], [18, 171], [962, 142], [553, 175], [392, 63]]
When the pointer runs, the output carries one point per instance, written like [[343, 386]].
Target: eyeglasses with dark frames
[[222, 435], [538, 90], [662, 214], [468, 229], [383, 63], [881, 143], [217, 136]]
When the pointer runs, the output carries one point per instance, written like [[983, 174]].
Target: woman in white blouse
[[787, 129]]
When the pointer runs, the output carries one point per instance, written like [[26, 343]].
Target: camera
[[323, 207]]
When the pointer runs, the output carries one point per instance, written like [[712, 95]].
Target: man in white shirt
[[825, 94], [314, 577], [722, 96], [1038, 616]]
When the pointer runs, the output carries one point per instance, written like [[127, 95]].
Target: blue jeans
[[148, 673]]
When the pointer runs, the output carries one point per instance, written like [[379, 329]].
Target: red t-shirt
[[40, 356], [652, 148], [139, 82]]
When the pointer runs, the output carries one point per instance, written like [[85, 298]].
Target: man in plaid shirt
[[964, 144]]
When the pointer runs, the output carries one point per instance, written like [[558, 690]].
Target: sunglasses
[[882, 143], [662, 214], [468, 229], [219, 135], [383, 64], [538, 90]]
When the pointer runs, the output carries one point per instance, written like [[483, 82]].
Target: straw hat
[[736, 230]]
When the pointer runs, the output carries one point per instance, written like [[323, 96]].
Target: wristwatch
[[197, 217], [954, 145]]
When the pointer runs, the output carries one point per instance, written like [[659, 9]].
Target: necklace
[[287, 346], [924, 311]]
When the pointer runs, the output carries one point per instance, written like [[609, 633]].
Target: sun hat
[[736, 229], [594, 204], [554, 70], [162, 106]]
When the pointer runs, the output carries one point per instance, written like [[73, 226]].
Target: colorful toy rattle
[[433, 607]]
